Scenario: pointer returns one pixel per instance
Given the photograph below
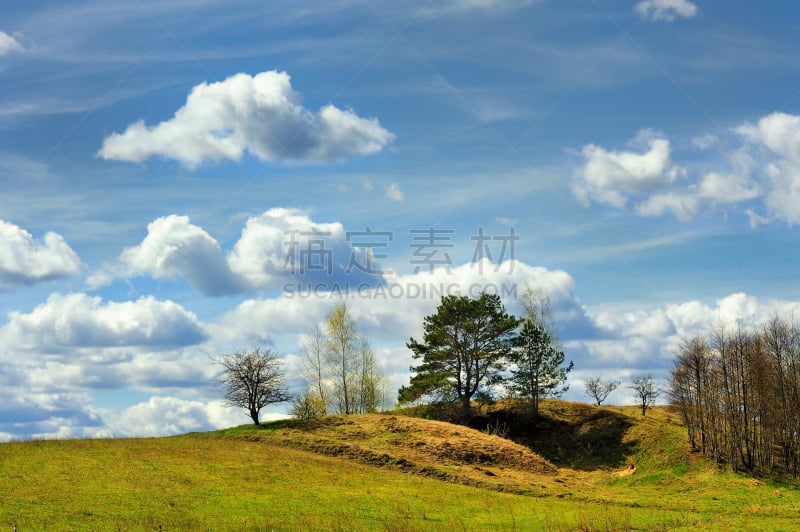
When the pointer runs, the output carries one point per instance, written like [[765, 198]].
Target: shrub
[[308, 406]]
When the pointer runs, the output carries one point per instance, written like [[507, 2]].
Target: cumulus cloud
[[394, 193], [80, 320], [647, 340], [763, 166], [665, 10], [776, 138], [176, 248], [58, 355], [682, 206], [396, 310], [9, 44], [277, 246], [779, 132], [160, 416], [611, 177], [261, 115], [24, 261]]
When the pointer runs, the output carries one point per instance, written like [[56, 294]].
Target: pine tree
[[539, 365]]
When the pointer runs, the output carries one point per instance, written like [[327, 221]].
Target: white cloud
[[612, 177], [394, 193], [73, 345], [24, 261], [280, 242], [756, 220], [175, 248], [780, 132], [261, 115], [274, 247], [777, 137], [704, 142], [764, 167], [666, 10], [727, 188], [647, 340], [9, 44], [455, 7], [79, 320], [396, 310], [159, 416], [504, 220], [682, 206]]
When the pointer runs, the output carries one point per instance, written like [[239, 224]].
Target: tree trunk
[[466, 405]]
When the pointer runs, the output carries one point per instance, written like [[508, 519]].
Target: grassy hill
[[393, 472]]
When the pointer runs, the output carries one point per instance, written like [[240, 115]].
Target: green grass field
[[384, 472]]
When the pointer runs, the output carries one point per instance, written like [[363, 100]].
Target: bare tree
[[738, 390], [689, 387], [536, 308], [599, 390], [538, 357], [314, 365], [352, 365], [252, 380], [645, 390], [341, 346], [369, 380]]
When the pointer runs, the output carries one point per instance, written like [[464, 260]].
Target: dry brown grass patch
[[432, 448]]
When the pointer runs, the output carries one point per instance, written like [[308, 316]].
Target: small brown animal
[[627, 472]]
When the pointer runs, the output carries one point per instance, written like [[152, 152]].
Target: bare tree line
[[738, 391]]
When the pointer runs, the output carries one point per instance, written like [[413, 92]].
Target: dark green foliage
[[464, 350], [539, 365]]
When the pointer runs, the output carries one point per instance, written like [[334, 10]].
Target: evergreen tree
[[539, 365], [464, 349]]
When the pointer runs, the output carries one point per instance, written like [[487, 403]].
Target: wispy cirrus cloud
[[261, 115]]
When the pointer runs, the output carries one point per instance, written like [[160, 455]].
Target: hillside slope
[[431, 448], [391, 472]]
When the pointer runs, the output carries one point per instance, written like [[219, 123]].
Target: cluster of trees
[[340, 369], [738, 391], [472, 346], [645, 390]]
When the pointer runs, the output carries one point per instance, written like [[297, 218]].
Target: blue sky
[[158, 160]]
